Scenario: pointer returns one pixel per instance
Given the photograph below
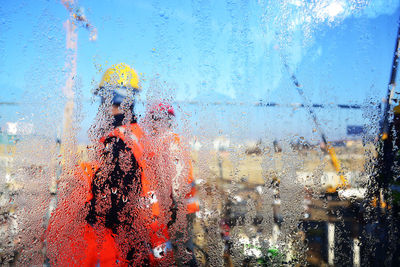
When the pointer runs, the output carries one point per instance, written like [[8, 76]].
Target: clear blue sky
[[205, 51]]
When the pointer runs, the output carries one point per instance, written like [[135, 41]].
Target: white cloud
[[333, 9], [304, 17], [322, 11]]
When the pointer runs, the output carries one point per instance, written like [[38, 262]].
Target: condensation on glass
[[229, 133]]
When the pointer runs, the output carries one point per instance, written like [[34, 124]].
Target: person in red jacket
[[111, 216], [170, 167]]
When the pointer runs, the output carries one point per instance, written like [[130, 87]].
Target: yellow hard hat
[[120, 75]]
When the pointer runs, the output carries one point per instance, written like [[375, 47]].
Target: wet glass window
[[199, 133]]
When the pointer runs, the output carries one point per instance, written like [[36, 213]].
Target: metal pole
[[331, 243], [391, 88], [356, 252]]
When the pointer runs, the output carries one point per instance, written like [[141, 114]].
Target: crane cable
[[335, 161]]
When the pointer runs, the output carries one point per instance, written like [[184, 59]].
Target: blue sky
[[205, 51]]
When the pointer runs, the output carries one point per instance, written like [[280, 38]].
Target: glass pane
[[209, 133]]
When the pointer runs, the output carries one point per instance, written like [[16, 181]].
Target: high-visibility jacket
[[90, 246], [70, 240], [192, 202], [159, 238], [170, 170], [168, 153]]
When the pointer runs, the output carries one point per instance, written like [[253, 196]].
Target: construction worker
[[112, 216], [170, 165]]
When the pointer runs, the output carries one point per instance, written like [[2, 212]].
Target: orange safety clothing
[[192, 202], [89, 245], [159, 238], [73, 242], [170, 143]]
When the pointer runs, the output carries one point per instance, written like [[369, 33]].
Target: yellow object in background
[[336, 164]]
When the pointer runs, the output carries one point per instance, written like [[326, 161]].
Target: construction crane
[[68, 143], [76, 18]]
